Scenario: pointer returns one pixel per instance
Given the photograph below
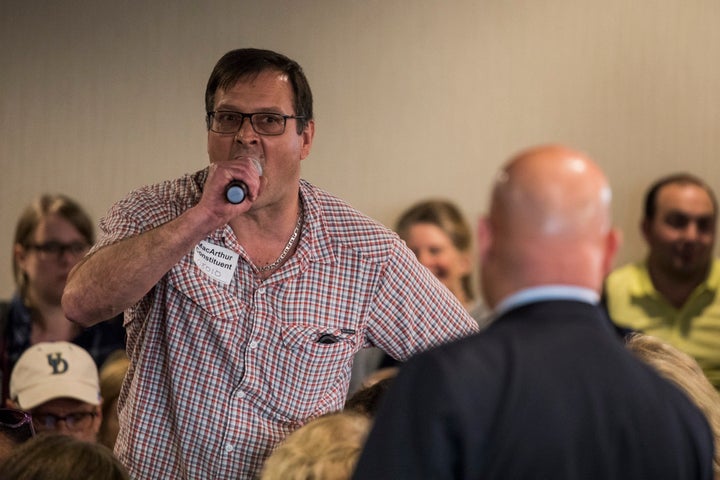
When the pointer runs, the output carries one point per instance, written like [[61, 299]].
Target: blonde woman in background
[[441, 238], [682, 370]]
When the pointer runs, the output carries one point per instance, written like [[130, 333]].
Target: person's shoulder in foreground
[[548, 389], [476, 409]]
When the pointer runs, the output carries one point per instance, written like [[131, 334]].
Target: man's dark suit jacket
[[548, 391]]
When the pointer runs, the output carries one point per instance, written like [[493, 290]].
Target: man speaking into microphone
[[243, 314]]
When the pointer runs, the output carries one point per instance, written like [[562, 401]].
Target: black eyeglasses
[[57, 249], [73, 421], [16, 424], [264, 123]]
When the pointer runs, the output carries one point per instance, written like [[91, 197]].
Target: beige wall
[[413, 98]]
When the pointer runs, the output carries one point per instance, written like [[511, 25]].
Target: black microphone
[[236, 191]]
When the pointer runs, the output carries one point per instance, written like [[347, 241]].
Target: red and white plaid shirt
[[220, 373]]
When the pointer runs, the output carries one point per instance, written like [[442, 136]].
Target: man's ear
[[646, 228], [99, 417], [306, 139], [20, 255], [484, 238], [613, 240]]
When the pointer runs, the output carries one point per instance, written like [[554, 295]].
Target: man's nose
[[691, 231], [246, 133], [61, 427]]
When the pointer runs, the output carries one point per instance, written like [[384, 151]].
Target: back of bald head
[[551, 192], [550, 218]]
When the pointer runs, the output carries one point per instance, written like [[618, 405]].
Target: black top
[[547, 391], [100, 340]]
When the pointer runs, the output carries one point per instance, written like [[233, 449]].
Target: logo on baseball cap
[[51, 370]]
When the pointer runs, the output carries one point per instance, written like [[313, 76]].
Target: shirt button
[[229, 447], [241, 394], [261, 291], [253, 344]]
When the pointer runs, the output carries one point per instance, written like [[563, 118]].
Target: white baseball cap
[[51, 370]]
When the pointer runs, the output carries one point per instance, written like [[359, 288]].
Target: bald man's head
[[549, 223], [551, 192]]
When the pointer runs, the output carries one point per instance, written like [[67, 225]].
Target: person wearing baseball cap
[[57, 383]]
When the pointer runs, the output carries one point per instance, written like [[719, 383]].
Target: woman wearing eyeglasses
[[51, 236]]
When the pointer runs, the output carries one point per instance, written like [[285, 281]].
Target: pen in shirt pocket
[[328, 338]]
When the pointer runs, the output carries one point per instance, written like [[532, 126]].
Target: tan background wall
[[413, 98]]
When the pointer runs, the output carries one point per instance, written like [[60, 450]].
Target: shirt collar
[[547, 292], [712, 282], [315, 242]]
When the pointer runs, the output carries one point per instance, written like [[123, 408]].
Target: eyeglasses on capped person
[[57, 250], [16, 424], [263, 123], [73, 421]]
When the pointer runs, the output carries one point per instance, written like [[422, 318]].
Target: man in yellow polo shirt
[[673, 294]]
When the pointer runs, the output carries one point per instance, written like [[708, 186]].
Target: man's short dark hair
[[676, 178], [245, 63]]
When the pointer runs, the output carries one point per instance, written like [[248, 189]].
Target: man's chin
[[689, 270]]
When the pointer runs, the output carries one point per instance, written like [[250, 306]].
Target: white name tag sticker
[[215, 261]]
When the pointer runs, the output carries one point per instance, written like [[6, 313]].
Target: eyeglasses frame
[[63, 248], [249, 116], [64, 418]]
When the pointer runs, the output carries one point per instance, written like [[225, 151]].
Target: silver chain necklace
[[288, 246]]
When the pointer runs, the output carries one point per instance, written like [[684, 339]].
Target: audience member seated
[[325, 448], [60, 457], [15, 428], [681, 369], [441, 238], [57, 383], [367, 399], [112, 374], [674, 293], [51, 235]]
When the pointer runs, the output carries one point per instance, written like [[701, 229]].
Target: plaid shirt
[[220, 373]]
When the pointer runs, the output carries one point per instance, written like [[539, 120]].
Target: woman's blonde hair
[[682, 370], [325, 448], [447, 217]]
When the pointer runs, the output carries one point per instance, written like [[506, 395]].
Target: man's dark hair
[[245, 63], [676, 178]]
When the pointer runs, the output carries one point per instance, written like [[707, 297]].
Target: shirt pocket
[[311, 370]]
